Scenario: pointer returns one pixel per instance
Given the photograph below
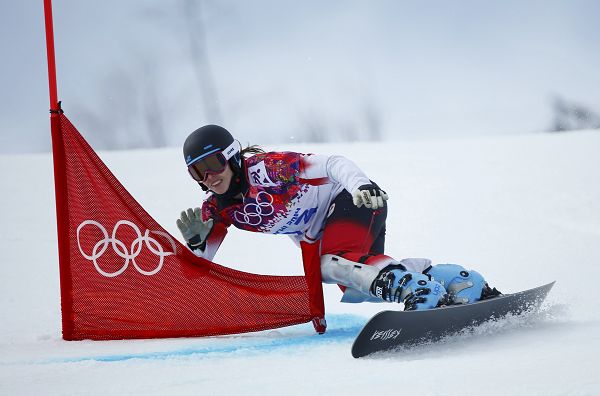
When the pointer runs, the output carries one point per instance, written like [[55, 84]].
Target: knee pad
[[462, 285], [346, 273]]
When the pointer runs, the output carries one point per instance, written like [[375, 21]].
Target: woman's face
[[219, 183]]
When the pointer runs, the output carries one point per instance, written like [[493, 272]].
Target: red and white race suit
[[289, 193], [309, 198]]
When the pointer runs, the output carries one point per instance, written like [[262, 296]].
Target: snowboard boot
[[395, 284], [463, 286]]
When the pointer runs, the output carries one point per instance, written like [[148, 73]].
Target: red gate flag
[[123, 276]]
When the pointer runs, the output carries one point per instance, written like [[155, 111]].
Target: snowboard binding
[[489, 292]]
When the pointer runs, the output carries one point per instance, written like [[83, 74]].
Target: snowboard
[[390, 329]]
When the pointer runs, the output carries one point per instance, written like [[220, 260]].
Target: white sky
[[425, 69]]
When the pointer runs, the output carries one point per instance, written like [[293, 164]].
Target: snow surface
[[523, 210]]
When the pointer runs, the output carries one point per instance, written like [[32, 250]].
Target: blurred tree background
[[144, 73]]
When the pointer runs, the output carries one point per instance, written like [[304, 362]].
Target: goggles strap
[[230, 150]]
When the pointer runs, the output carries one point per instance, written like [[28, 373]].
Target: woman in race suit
[[321, 199]]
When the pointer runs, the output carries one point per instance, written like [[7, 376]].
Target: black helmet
[[208, 140], [212, 146]]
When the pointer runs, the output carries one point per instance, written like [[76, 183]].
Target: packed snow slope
[[523, 210]]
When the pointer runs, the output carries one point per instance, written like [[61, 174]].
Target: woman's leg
[[351, 230], [352, 256], [352, 244]]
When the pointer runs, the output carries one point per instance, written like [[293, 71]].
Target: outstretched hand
[[371, 196], [193, 229]]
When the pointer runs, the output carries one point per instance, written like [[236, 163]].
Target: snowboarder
[[316, 199]]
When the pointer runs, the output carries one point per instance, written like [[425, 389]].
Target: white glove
[[194, 230], [371, 196]]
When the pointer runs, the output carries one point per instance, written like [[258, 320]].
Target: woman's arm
[[209, 247], [320, 169], [203, 230]]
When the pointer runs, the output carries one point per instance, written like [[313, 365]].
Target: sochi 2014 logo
[[128, 253]]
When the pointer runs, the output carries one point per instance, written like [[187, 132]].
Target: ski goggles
[[213, 162]]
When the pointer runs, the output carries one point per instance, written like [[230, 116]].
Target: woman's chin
[[218, 190]]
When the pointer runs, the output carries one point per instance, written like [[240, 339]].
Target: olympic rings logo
[[122, 251], [254, 212]]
